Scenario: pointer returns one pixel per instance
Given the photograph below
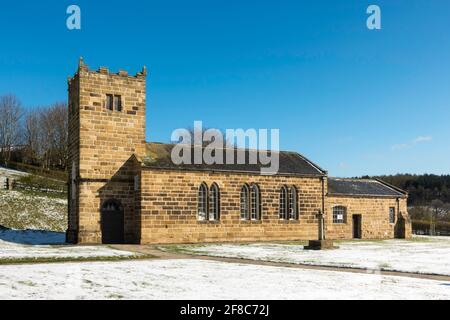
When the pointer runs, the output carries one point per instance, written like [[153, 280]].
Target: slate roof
[[363, 187], [291, 163]]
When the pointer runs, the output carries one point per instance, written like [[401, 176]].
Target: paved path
[[160, 254]]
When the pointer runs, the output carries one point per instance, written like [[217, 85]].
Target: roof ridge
[[353, 179], [311, 163], [238, 148], [391, 186]]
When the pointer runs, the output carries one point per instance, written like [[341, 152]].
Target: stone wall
[[160, 206], [169, 208], [104, 147], [374, 212]]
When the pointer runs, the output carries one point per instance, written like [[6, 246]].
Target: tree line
[[36, 137], [422, 189], [428, 196]]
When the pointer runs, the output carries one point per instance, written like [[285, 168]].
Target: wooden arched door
[[112, 222]]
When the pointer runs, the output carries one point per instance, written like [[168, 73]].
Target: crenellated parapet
[[84, 68]]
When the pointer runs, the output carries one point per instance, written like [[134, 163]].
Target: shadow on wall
[[32, 237], [120, 216], [400, 227]]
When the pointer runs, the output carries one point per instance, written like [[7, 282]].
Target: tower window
[[109, 102], [113, 102], [118, 103]]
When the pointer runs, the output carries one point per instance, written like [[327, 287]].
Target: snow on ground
[[420, 255], [25, 244], [199, 279], [10, 173]]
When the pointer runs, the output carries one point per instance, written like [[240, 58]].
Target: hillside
[[28, 207], [422, 189]]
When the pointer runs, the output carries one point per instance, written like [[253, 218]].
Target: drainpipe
[[322, 223]]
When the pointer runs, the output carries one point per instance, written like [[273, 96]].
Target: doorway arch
[[112, 222]]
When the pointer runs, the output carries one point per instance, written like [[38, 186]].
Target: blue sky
[[355, 101]]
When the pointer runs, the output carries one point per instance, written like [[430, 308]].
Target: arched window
[[293, 203], [245, 204], [214, 203], [283, 203], [112, 205], [339, 214], [202, 213], [255, 202]]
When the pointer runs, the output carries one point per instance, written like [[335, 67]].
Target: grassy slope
[[31, 210]]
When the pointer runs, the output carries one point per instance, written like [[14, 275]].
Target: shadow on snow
[[32, 237]]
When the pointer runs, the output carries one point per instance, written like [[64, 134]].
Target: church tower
[[106, 144]]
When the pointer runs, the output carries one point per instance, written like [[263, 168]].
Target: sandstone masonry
[[117, 197]]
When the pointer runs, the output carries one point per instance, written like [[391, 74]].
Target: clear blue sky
[[355, 101]]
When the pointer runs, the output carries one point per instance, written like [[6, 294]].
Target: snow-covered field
[[198, 279], [420, 255], [36, 244]]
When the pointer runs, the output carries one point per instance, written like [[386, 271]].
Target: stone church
[[125, 190]]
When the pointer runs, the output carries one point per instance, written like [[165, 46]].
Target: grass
[[41, 260], [33, 210], [27, 283], [181, 249], [422, 239], [187, 248], [41, 182], [361, 240]]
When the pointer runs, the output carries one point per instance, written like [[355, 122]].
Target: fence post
[[11, 184]]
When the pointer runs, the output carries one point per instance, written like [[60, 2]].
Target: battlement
[[83, 67], [107, 114]]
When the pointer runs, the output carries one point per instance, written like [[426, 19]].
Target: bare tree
[[10, 114], [46, 133], [439, 210], [58, 116], [33, 134]]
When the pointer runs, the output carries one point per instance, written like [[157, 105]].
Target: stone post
[[321, 243], [321, 226]]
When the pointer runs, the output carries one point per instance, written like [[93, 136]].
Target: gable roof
[[363, 187], [290, 163]]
